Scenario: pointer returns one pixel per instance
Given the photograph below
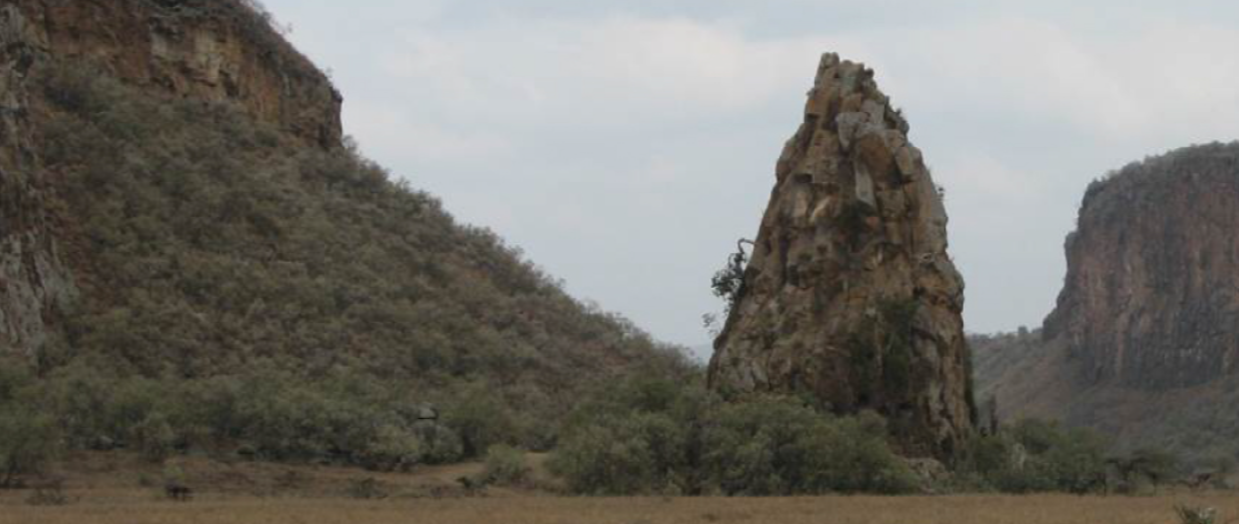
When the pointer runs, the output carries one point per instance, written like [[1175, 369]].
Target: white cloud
[[627, 150], [1148, 81], [598, 71]]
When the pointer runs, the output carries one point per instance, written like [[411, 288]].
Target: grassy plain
[[121, 489], [551, 510]]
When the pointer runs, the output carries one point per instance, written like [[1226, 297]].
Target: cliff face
[[1142, 344], [210, 50], [850, 294], [1151, 300], [206, 49]]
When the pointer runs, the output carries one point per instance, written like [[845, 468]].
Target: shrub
[[245, 268], [481, 420], [1036, 456], [154, 438], [728, 283], [1156, 465], [28, 441], [393, 449], [618, 455], [778, 446], [505, 465], [654, 436]]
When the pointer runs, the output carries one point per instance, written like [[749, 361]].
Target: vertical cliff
[[850, 295], [1151, 300], [210, 50], [34, 280], [1143, 342]]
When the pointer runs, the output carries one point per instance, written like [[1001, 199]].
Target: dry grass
[[105, 489], [547, 510]]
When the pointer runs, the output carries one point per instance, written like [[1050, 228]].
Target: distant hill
[[1144, 340], [182, 217]]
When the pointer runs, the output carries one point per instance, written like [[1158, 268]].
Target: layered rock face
[[205, 49], [34, 281], [850, 295], [1151, 299]]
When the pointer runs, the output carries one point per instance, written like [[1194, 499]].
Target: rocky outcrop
[[214, 50], [850, 295], [1151, 300], [206, 49]]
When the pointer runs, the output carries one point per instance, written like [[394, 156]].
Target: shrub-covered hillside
[[243, 290]]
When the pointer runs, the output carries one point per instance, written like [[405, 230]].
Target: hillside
[[194, 258], [1142, 344]]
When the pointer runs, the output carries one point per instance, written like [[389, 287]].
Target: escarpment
[[850, 295], [1143, 341], [177, 201], [209, 50], [1151, 299]]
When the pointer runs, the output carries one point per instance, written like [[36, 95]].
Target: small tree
[[28, 441], [728, 283], [505, 465], [1156, 465], [481, 419]]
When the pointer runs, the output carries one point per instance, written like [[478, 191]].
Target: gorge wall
[[209, 50], [1151, 298], [1143, 341], [850, 295]]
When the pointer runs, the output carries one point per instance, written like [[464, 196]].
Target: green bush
[[292, 300], [1036, 456], [778, 446], [481, 419], [655, 436], [393, 449], [505, 465], [154, 438], [612, 457], [28, 441]]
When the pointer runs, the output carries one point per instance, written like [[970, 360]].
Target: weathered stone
[[861, 308], [908, 158], [864, 186]]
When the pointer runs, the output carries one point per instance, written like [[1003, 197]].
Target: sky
[[626, 145]]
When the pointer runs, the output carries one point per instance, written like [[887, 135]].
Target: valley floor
[[122, 489], [548, 510]]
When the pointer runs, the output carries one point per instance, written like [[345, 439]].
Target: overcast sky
[[626, 145]]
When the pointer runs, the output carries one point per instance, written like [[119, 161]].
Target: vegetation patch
[[247, 295]]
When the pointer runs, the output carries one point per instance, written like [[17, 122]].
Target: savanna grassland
[[121, 488], [1039, 509]]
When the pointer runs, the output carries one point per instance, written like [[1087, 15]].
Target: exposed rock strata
[[850, 295]]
